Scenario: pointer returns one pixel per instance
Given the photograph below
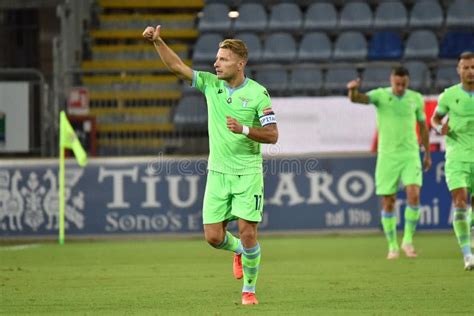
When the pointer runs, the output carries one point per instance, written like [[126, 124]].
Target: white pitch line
[[19, 247]]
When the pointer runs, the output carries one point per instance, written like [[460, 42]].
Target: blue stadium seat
[[385, 45], [454, 43]]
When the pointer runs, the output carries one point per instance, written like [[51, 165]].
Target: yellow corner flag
[[69, 140]]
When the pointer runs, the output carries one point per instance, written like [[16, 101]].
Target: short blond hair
[[466, 55], [236, 46]]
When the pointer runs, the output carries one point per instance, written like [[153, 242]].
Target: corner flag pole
[[61, 188], [67, 139]]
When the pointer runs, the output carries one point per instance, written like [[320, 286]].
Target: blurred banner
[[309, 125], [163, 195], [322, 125]]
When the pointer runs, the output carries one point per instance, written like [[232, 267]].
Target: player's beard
[[469, 81], [224, 76]]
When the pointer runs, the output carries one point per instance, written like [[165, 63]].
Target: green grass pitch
[[300, 275]]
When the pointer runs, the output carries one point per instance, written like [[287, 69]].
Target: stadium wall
[[164, 195]]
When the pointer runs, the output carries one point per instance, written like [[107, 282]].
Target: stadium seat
[[375, 76], [252, 17], [206, 48], [454, 43], [350, 45], [385, 45], [320, 16], [337, 79], [421, 44], [315, 46], [279, 47], [285, 17], [191, 113], [215, 18], [420, 77], [254, 46], [274, 79], [392, 14], [460, 14], [230, 3], [426, 13], [446, 75], [305, 78], [355, 15]]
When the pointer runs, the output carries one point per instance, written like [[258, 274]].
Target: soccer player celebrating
[[240, 118], [458, 103], [398, 111]]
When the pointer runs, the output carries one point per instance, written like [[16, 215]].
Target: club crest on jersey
[[244, 101]]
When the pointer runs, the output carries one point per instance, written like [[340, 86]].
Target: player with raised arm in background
[[240, 117], [457, 102], [398, 156]]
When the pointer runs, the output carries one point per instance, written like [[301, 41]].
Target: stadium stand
[[454, 43], [355, 15], [385, 46], [285, 17], [295, 47], [315, 46], [420, 77], [421, 44], [205, 48], [274, 79], [350, 45], [391, 15], [320, 16], [252, 17], [460, 14], [132, 94], [306, 79], [426, 14], [254, 46], [337, 78], [191, 114], [446, 75], [215, 18], [375, 76], [279, 47]]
